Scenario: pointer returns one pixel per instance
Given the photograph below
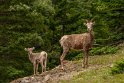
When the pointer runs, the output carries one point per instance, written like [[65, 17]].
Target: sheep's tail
[[46, 55]]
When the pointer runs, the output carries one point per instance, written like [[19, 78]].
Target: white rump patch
[[65, 37], [62, 39], [43, 53]]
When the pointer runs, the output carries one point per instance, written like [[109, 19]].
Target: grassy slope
[[101, 74], [98, 71]]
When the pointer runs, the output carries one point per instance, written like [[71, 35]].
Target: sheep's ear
[[33, 48], [86, 21], [93, 22], [25, 49]]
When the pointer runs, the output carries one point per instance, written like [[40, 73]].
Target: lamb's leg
[[37, 68], [42, 65], [65, 51], [34, 64], [45, 62]]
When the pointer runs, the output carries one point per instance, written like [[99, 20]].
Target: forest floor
[[97, 72]]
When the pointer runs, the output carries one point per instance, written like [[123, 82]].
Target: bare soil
[[71, 68]]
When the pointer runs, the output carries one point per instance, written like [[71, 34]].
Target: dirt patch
[[72, 68]]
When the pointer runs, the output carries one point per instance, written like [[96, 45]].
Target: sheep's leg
[[83, 65], [87, 55], [65, 51], [85, 61]]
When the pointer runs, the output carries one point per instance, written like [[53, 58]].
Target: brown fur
[[78, 41]]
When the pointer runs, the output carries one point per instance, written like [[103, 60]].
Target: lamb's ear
[[85, 23], [25, 49], [33, 48]]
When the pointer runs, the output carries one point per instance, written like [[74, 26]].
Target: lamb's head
[[29, 49], [89, 24]]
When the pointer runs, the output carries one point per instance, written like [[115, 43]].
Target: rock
[[46, 78]]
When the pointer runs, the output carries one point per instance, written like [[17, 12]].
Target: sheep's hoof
[[85, 66], [37, 73], [61, 67], [34, 74]]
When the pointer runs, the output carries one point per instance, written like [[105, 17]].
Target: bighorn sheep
[[37, 58], [78, 41]]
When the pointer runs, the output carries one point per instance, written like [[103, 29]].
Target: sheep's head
[[89, 24]]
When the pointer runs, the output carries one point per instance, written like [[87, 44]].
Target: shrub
[[118, 68], [53, 59], [14, 73], [104, 50]]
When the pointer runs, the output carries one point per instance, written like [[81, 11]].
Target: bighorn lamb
[[37, 58], [78, 41]]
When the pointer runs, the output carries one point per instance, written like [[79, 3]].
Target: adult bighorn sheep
[[37, 58], [78, 41]]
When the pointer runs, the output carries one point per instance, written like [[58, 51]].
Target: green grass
[[100, 74]]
